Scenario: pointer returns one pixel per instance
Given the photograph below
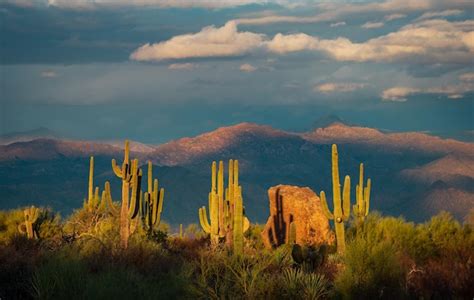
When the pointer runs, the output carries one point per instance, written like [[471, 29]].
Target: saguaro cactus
[[361, 208], [341, 206], [226, 212], [31, 216], [215, 227], [152, 204], [93, 201], [131, 177]]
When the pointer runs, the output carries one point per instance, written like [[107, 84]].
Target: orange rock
[[301, 206]]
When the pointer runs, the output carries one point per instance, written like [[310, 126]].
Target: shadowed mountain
[[29, 135], [403, 168]]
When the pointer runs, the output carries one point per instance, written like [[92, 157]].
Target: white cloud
[[426, 42], [334, 11], [183, 66], [209, 42], [437, 14], [372, 25], [398, 94], [453, 91], [48, 74], [247, 68], [337, 24], [91, 4], [394, 17], [332, 87]]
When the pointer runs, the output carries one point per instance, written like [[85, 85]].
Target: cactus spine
[[225, 208], [341, 208], [361, 208], [131, 178], [181, 232], [31, 216], [152, 205]]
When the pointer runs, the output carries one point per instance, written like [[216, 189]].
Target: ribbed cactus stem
[[91, 178], [341, 210], [238, 231]]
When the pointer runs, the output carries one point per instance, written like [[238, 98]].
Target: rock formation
[[301, 206]]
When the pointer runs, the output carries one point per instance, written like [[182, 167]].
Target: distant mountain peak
[[328, 120]]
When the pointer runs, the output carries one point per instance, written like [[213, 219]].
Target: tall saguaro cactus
[[131, 177], [215, 227], [152, 204], [93, 201], [361, 208], [342, 204], [31, 216], [226, 211]]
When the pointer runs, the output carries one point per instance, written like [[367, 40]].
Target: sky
[[156, 70]]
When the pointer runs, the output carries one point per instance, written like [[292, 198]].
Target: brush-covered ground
[[79, 258]]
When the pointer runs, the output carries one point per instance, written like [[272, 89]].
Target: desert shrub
[[296, 284], [371, 270], [9, 221], [59, 278]]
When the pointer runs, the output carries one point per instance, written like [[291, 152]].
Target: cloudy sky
[[154, 70]]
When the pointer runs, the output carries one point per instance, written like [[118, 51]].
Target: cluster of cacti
[[342, 203], [226, 211], [94, 201], [31, 215], [152, 204], [361, 208]]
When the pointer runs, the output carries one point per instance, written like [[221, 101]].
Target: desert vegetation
[[120, 248]]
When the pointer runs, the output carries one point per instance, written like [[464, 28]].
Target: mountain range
[[413, 174]]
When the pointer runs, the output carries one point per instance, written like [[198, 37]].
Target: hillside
[[403, 167]]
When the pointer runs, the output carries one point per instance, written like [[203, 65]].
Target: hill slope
[[403, 168]]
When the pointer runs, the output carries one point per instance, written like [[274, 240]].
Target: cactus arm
[[154, 200], [326, 210], [238, 238], [336, 186], [136, 193], [213, 177], [110, 203], [246, 224], [150, 177], [367, 196], [220, 197], [117, 170], [236, 174], [359, 192], [206, 227], [346, 198], [91, 177]]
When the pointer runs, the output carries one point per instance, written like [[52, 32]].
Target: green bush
[[371, 270]]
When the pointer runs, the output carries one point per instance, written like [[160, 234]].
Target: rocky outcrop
[[301, 206]]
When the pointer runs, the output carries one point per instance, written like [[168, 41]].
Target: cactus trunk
[[341, 206]]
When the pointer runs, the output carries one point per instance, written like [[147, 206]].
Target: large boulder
[[301, 206]]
